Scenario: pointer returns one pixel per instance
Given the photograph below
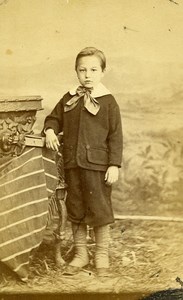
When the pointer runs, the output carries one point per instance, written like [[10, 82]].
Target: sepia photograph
[[91, 149]]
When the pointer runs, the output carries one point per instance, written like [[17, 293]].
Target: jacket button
[[87, 146]]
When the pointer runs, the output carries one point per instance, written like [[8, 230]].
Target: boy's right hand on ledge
[[52, 141]]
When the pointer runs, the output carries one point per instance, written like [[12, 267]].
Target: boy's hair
[[89, 51]]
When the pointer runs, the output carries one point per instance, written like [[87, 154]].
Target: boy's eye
[[94, 70], [81, 70]]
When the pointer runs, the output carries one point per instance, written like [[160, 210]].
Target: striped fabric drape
[[26, 184]]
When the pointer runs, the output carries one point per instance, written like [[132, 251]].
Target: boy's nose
[[87, 74]]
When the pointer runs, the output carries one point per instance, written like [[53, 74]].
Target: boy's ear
[[103, 72]]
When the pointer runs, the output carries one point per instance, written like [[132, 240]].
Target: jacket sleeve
[[115, 136], [55, 119]]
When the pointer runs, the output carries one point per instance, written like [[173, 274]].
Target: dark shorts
[[88, 198]]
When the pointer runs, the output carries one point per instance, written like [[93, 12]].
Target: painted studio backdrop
[[143, 43]]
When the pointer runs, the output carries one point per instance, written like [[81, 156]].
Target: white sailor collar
[[99, 91]]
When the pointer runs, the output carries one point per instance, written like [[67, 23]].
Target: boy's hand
[[52, 141], [111, 175]]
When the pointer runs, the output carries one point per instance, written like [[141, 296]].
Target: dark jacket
[[92, 142]]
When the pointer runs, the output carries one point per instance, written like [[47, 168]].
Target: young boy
[[90, 120]]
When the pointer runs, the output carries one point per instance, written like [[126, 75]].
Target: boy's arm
[[115, 136], [115, 144], [53, 125], [55, 119]]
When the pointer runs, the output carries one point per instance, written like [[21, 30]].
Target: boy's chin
[[89, 85]]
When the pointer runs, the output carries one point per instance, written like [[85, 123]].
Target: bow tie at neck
[[90, 103]]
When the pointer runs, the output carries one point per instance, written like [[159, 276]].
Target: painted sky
[[32, 31]]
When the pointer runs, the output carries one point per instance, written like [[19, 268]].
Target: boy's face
[[89, 71]]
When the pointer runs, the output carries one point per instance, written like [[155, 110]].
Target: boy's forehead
[[93, 61]]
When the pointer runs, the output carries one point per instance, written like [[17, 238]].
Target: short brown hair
[[89, 51]]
